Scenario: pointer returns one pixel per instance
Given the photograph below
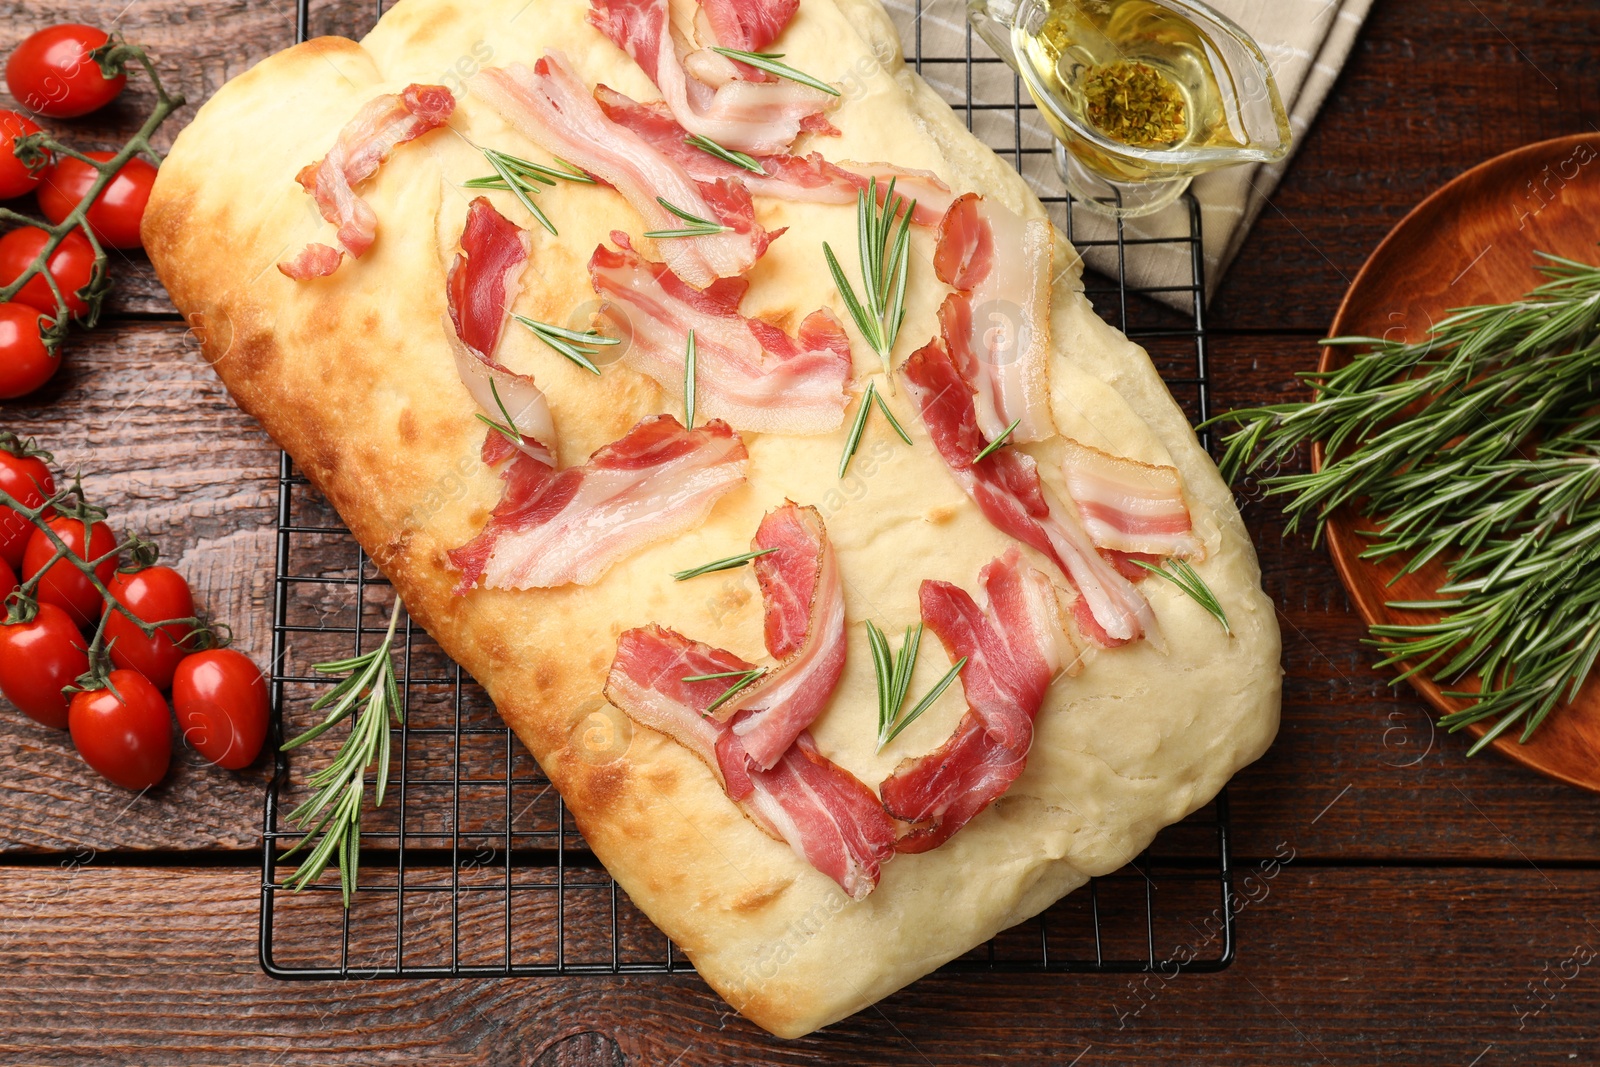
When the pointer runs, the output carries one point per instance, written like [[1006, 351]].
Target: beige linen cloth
[[1306, 42]]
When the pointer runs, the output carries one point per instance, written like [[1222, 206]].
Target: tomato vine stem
[[35, 150]]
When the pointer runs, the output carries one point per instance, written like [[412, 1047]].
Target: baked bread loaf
[[352, 373]]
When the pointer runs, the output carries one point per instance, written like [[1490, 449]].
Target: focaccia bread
[[353, 376]]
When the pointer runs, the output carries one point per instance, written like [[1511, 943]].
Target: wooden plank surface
[[1338, 966], [1426, 893]]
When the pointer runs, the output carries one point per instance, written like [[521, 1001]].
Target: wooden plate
[[1473, 242]]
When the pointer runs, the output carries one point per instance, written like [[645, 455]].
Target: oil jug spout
[[993, 19]]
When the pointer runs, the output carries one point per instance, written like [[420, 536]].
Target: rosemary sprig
[[578, 347], [768, 61], [509, 429], [885, 265], [1477, 446], [536, 172], [995, 445], [689, 360], [1186, 578], [894, 676], [722, 564], [698, 227], [370, 693], [746, 679], [738, 159], [518, 177]]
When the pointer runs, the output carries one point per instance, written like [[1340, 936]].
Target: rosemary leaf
[[738, 159], [578, 347], [905, 663], [883, 671], [894, 677], [721, 565], [1186, 578], [768, 61], [714, 677], [883, 406], [926, 702], [852, 442], [689, 386], [735, 689], [508, 434], [698, 227], [995, 445], [519, 187]]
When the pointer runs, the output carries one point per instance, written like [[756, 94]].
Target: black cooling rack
[[473, 866]]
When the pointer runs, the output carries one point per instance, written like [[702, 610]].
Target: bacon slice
[[808, 179], [826, 815], [551, 106], [804, 599], [1006, 487], [1128, 506], [313, 261], [1012, 641], [747, 372], [482, 285], [569, 527], [997, 324], [382, 125], [748, 25], [706, 91]]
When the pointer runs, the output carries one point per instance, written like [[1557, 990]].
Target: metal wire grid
[[473, 866]]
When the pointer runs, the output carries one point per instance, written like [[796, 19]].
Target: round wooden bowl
[[1473, 242]]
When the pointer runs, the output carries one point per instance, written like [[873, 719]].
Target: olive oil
[[1149, 83]]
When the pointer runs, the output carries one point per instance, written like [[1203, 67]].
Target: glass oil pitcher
[[1141, 95]]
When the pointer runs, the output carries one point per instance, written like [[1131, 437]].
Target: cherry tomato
[[123, 731], [220, 700], [153, 594], [25, 362], [64, 585], [15, 179], [36, 659], [51, 72], [30, 481], [116, 212], [72, 265]]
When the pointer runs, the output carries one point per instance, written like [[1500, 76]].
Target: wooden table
[[1437, 909]]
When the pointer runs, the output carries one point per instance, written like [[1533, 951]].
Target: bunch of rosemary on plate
[[1478, 447]]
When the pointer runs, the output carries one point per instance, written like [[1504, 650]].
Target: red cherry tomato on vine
[[36, 659], [51, 72], [63, 584], [25, 362], [72, 265], [28, 480], [153, 594], [116, 212], [220, 700], [15, 179], [123, 731]]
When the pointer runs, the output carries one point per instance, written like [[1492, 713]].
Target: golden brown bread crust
[[351, 375]]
